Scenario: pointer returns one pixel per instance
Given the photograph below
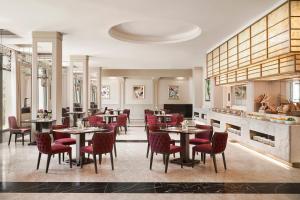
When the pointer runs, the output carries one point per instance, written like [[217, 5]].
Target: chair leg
[[215, 163], [167, 163], [148, 148], [29, 136], [82, 160], [126, 129], [181, 159], [112, 160], [151, 159], [63, 157], [9, 139], [16, 135], [100, 159], [59, 158], [70, 158], [201, 156], [164, 159], [23, 139], [48, 162], [224, 161], [193, 158], [204, 157], [115, 149], [39, 159], [95, 163]]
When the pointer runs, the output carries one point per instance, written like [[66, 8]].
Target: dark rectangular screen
[[185, 109]]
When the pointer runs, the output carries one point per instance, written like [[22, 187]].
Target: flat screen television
[[185, 109]]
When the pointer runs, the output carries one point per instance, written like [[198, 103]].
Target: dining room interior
[[150, 99]]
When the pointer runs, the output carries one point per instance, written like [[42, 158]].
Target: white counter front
[[279, 140]]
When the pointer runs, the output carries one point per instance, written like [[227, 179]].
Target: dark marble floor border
[[137, 141], [149, 187]]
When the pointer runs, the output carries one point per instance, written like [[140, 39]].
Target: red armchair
[[127, 112], [96, 121], [44, 146], [204, 137], [102, 143], [14, 129], [151, 129], [121, 122], [176, 120], [219, 142], [160, 143]]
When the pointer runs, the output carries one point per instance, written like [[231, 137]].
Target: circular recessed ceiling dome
[[155, 32]]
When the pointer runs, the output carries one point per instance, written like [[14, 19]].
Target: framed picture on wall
[[173, 92], [139, 91], [105, 92], [207, 90]]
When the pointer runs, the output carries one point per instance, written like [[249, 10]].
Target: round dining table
[[184, 142]]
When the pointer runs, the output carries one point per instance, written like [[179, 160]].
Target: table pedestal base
[[187, 163]]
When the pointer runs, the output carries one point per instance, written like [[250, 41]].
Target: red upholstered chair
[[180, 119], [127, 112], [151, 129], [147, 112], [62, 138], [175, 120], [122, 121], [102, 143], [160, 143], [204, 136], [96, 121], [219, 142], [16, 130], [44, 146]]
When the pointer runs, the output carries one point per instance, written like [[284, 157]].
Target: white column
[[197, 87], [82, 61], [55, 38], [155, 92], [122, 92], [99, 86], [86, 85], [70, 91]]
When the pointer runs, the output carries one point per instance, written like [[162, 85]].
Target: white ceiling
[[86, 25]]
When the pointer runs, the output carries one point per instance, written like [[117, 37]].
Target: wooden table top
[[38, 120]]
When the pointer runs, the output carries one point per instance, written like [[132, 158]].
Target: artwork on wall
[[105, 92], [207, 90], [239, 95], [139, 91], [173, 92]]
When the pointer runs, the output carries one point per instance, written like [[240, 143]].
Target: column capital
[[47, 35]]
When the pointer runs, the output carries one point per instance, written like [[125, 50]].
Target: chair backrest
[[122, 120], [12, 122], [112, 127], [151, 119], [66, 121], [103, 142], [127, 112], [152, 128], [174, 118], [219, 142], [59, 135], [180, 119], [205, 134], [95, 120], [43, 141], [159, 142]]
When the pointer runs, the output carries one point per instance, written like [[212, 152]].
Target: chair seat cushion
[[197, 141], [87, 149], [65, 141], [59, 148], [175, 149], [21, 130], [204, 148]]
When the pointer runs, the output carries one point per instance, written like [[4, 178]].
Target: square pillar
[[197, 87], [55, 40], [99, 87]]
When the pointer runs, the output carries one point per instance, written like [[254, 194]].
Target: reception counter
[[279, 140]]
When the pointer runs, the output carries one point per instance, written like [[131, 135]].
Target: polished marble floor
[[18, 164]]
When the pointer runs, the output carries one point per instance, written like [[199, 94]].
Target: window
[[296, 91]]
